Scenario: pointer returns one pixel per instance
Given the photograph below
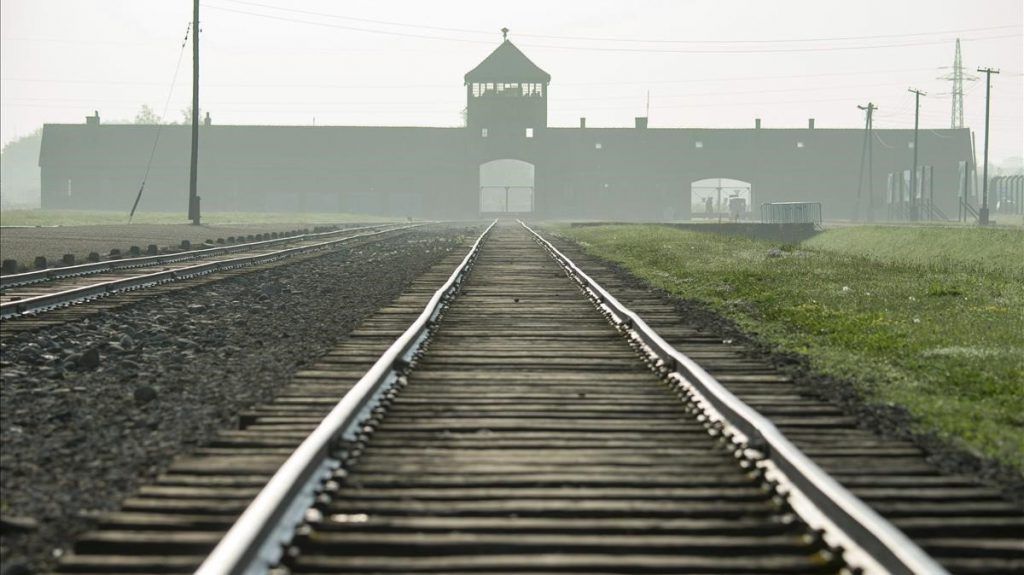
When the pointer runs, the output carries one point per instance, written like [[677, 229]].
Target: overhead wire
[[623, 82], [598, 48], [619, 39], [160, 125]]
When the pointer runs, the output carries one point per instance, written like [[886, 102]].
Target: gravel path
[[24, 244], [90, 410]]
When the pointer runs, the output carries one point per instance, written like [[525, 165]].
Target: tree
[[146, 115], [19, 172], [187, 115]]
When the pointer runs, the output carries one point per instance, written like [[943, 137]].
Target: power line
[[366, 20], [671, 96], [768, 50], [625, 82], [598, 48], [619, 39], [342, 27]]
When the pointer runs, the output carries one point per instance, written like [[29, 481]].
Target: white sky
[[306, 59]]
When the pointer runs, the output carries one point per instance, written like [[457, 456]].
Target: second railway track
[[530, 436], [26, 296]]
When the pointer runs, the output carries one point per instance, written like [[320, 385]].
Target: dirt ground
[[25, 244]]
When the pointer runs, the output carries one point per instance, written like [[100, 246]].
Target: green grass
[[928, 318], [945, 248], [91, 217]]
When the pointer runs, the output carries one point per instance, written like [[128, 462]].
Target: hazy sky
[[706, 63]]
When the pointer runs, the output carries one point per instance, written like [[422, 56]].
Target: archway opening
[[506, 187], [721, 199]]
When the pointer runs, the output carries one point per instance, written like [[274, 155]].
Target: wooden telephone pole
[[866, 150], [193, 197], [983, 212], [914, 215]]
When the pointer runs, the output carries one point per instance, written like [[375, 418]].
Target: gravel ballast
[[91, 410]]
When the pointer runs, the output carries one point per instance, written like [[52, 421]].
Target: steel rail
[[48, 301], [255, 541], [38, 276], [868, 540]]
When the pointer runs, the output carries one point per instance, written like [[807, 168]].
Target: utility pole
[[719, 208], [193, 197], [983, 212], [913, 174], [868, 145]]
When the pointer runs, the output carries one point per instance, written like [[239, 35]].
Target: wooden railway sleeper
[[856, 524]]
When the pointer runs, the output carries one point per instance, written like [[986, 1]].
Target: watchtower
[[507, 94]]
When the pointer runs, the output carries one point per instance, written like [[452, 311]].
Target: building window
[[529, 132], [483, 132], [597, 145], [799, 144], [698, 144]]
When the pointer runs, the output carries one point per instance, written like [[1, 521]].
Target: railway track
[[528, 421], [30, 297], [174, 259]]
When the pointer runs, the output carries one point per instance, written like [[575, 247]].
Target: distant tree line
[[147, 115]]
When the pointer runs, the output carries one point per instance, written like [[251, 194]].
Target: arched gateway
[[506, 187]]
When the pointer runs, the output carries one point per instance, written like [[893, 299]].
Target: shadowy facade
[[637, 173]]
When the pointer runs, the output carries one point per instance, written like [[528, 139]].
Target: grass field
[[88, 217], [928, 318]]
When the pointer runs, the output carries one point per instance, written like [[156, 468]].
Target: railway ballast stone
[[144, 394], [77, 441]]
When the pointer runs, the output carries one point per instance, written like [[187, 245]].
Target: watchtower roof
[[507, 64]]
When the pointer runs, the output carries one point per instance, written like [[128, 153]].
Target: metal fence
[[791, 213], [1006, 194]]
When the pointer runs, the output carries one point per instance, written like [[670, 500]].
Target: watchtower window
[[507, 89], [533, 90], [483, 89]]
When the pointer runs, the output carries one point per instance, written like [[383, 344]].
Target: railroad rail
[[51, 274], [512, 427], [36, 292]]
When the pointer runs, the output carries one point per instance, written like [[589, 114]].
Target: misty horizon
[[400, 64]]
